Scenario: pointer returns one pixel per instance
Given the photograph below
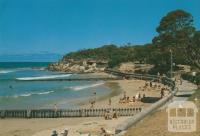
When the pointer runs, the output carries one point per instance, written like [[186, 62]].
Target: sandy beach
[[119, 87], [44, 127]]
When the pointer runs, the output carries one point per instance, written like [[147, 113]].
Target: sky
[[61, 26]]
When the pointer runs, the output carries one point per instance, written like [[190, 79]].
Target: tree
[[171, 25], [192, 49], [176, 31]]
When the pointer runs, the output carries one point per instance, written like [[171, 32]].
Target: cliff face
[[79, 66]]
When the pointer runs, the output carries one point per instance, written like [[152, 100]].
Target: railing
[[63, 113], [164, 80]]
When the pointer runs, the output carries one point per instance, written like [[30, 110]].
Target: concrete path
[[185, 90]]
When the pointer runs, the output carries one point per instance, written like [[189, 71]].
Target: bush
[[191, 78]]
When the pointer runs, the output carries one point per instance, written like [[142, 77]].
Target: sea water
[[21, 88]]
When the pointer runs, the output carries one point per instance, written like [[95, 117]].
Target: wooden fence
[[63, 113]]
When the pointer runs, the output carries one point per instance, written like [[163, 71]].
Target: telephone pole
[[171, 55]]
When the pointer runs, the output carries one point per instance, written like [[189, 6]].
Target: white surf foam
[[23, 69], [48, 92], [13, 70], [78, 88], [6, 71], [43, 77], [30, 94], [25, 95], [39, 68]]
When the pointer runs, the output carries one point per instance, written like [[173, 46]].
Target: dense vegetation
[[176, 33], [102, 53], [193, 79]]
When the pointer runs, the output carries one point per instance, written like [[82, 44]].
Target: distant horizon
[[43, 56], [30, 57], [60, 27]]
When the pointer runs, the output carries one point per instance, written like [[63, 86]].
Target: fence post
[[3, 113]]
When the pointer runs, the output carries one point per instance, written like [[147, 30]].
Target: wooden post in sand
[[50, 113], [2, 114], [70, 113]]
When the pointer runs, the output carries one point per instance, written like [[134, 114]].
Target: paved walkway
[[185, 90]]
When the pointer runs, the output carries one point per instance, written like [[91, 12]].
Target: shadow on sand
[[150, 99]]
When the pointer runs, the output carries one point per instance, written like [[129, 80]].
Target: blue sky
[[61, 26]]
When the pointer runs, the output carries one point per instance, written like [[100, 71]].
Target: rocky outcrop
[[80, 66], [91, 66], [131, 67]]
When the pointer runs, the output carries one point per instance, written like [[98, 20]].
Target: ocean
[[17, 92]]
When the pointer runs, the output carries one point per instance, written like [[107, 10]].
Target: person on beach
[[103, 132], [125, 95], [133, 98], [108, 115], [92, 104], [158, 74], [136, 97], [159, 77], [54, 133], [114, 114], [181, 81], [139, 96], [144, 96], [109, 102], [55, 110], [151, 84], [146, 84], [94, 93], [162, 93], [127, 100], [65, 133]]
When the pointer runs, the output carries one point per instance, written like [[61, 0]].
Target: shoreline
[[44, 127], [114, 88]]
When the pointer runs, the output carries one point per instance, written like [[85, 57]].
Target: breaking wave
[[78, 88], [43, 77], [30, 94], [6, 71]]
